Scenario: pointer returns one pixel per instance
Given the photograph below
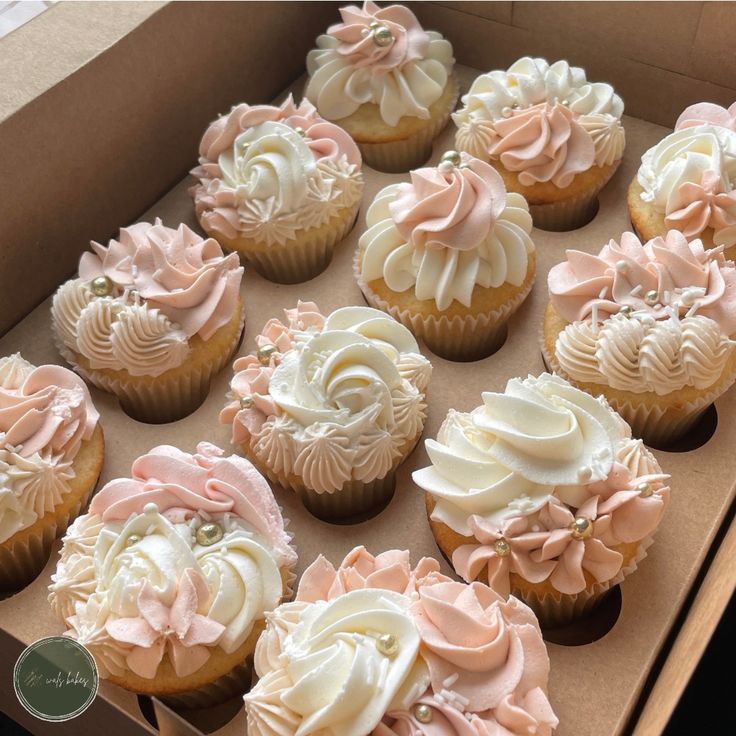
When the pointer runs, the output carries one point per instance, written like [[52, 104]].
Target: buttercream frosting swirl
[[268, 171], [449, 230], [45, 415], [367, 659], [145, 585], [340, 401], [515, 473], [706, 113], [351, 66]]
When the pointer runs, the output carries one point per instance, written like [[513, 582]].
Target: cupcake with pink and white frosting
[[378, 647]]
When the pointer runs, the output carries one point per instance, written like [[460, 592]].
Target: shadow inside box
[[591, 627], [207, 720], [697, 435]]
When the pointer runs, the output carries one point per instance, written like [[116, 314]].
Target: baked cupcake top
[[452, 228], [376, 647], [329, 399], [267, 172], [546, 122], [690, 178], [45, 415], [381, 56], [548, 482], [653, 317], [184, 556], [139, 302]]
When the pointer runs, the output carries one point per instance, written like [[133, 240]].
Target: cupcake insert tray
[[613, 653]]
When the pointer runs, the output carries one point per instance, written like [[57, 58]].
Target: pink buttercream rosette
[[487, 663]]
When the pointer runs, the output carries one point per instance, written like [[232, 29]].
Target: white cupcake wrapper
[[164, 399], [553, 612], [293, 263], [569, 214], [237, 682], [410, 153], [462, 338]]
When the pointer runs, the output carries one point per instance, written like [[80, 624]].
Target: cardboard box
[[105, 107]]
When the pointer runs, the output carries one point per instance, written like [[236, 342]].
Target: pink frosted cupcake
[[330, 407], [169, 576], [376, 647], [280, 186]]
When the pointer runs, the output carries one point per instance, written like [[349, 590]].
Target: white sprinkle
[[636, 290], [451, 680], [602, 295], [594, 314]]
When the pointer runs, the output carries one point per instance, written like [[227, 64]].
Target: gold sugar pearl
[[423, 713], [627, 310], [209, 533], [451, 157], [645, 489], [387, 644], [133, 539], [382, 36], [101, 286], [264, 354], [501, 547], [651, 297], [245, 402], [581, 528]]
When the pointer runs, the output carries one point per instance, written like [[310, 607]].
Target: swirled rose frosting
[[376, 647], [139, 300], [706, 113], [690, 178], [267, 172], [546, 122], [329, 399], [653, 317], [186, 555], [45, 415], [381, 56], [523, 473], [450, 229]]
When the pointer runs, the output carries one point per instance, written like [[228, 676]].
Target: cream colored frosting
[[454, 253], [338, 404], [45, 414], [136, 559], [349, 69], [498, 96], [640, 354]]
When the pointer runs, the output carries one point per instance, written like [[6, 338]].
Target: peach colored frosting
[[185, 277], [698, 206], [449, 206], [186, 555], [706, 113], [466, 658], [683, 274], [543, 143]]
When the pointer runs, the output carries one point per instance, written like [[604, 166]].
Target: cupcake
[[280, 186], [330, 407], [553, 136], [541, 491], [651, 327], [151, 318], [386, 81], [375, 647], [687, 182], [168, 578], [51, 453], [449, 256]]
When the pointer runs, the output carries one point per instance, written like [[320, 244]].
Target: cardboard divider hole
[[146, 705], [541, 223], [213, 718], [592, 627], [698, 435]]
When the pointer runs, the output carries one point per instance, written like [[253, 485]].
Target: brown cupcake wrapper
[[467, 338], [569, 214], [25, 559], [553, 612], [658, 426], [237, 682], [403, 155], [163, 399], [293, 263]]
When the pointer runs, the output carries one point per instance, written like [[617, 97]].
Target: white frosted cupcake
[[376, 648], [385, 80], [541, 491], [168, 578], [330, 407], [51, 454], [280, 186], [553, 136], [449, 256], [151, 318]]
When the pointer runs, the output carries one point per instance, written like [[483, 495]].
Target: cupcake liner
[[467, 338], [553, 611], [657, 426], [569, 214], [295, 262], [410, 153], [164, 399], [231, 684]]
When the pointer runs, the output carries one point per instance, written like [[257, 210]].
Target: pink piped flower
[[702, 206]]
